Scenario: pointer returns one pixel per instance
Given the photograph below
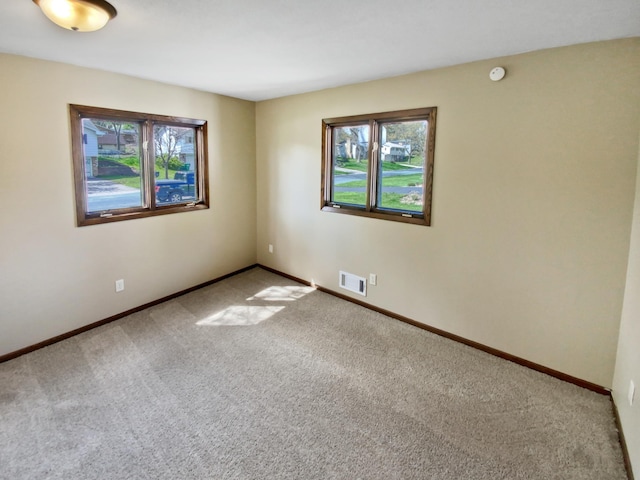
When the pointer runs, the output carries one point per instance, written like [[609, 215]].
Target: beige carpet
[[256, 377]]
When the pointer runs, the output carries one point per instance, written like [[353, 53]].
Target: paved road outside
[[107, 187], [107, 195], [338, 179], [402, 190]]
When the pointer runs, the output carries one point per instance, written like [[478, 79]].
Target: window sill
[[415, 219], [97, 219]]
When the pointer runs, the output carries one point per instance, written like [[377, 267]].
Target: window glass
[[175, 164], [111, 152], [402, 159], [350, 164]]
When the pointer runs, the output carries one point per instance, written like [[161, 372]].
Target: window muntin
[[131, 165], [394, 181]]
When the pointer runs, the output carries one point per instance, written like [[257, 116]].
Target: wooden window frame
[[147, 155], [370, 209]]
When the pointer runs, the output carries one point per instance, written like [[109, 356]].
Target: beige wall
[[628, 360], [533, 195], [55, 277]]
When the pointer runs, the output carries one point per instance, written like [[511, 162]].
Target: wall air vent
[[353, 283]]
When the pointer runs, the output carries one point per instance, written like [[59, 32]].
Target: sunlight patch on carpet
[[282, 294], [240, 316]]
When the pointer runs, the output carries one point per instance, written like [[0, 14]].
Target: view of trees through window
[[130, 164], [112, 152], [380, 165], [402, 156], [173, 148], [351, 162], [112, 164]]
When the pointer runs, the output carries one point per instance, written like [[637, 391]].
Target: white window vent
[[353, 283]]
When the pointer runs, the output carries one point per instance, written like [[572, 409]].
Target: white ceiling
[[261, 49]]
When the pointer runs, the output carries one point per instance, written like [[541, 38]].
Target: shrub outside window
[[131, 165], [380, 165]]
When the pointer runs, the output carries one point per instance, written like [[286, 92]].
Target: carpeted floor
[[256, 377]]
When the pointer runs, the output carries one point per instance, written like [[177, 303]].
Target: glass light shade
[[78, 15]]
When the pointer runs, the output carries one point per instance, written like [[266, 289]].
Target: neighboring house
[[90, 136], [186, 152], [395, 152], [128, 142]]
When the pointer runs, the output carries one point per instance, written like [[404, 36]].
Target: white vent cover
[[353, 283]]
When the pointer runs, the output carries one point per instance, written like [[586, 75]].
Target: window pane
[[175, 164], [402, 160], [350, 164], [111, 151]]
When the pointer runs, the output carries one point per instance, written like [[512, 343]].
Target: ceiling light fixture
[[78, 15]]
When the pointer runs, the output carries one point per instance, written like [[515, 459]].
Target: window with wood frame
[[380, 165], [131, 165]]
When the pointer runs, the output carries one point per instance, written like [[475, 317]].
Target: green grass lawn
[[129, 181], [133, 181], [412, 162], [386, 166], [389, 200], [416, 161], [353, 198], [133, 162], [354, 183], [171, 174], [397, 181], [353, 165]]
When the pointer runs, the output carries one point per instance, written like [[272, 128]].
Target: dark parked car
[[169, 190]]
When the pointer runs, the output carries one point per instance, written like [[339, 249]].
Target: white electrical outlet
[[270, 248], [119, 285], [373, 278], [632, 392]]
